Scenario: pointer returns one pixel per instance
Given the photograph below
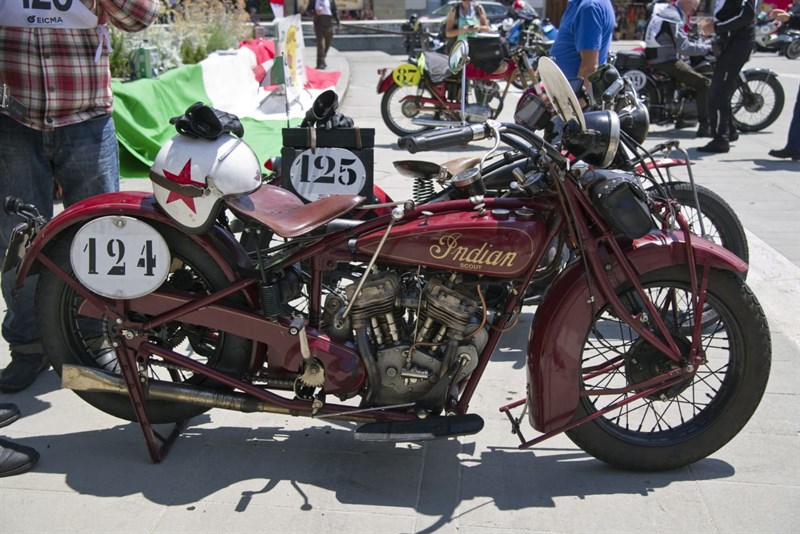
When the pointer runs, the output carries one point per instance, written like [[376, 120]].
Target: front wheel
[[793, 50], [401, 105], [720, 223], [680, 425], [73, 338], [761, 105]]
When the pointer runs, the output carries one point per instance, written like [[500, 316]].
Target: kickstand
[[127, 363]]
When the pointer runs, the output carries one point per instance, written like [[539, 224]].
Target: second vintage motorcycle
[[425, 93], [153, 311], [756, 102]]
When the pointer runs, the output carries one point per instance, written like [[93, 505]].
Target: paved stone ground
[[234, 472]]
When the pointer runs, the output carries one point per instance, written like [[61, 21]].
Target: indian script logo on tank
[[470, 257]]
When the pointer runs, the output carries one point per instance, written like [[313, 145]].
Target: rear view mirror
[[459, 55]]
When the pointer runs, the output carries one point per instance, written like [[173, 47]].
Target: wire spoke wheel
[[401, 105], [687, 421], [760, 107], [79, 339]]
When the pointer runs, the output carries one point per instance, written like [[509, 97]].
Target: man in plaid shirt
[[55, 63]]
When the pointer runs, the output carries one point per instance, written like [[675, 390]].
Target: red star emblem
[[184, 177]]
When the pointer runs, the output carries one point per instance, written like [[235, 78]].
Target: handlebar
[[16, 206], [442, 138], [613, 90]]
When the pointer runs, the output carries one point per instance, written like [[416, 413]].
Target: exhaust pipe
[[90, 380]]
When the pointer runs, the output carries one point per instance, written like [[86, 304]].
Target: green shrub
[[188, 33]]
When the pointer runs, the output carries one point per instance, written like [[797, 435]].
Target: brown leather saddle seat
[[285, 214], [426, 170]]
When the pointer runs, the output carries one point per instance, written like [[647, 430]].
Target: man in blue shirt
[[584, 37]]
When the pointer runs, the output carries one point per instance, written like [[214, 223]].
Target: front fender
[[220, 244], [759, 70], [565, 316]]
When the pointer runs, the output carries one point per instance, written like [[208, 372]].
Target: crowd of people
[[61, 77]]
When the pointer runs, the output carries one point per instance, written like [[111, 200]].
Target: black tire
[[793, 50], [755, 114], [720, 222], [675, 427], [78, 340], [397, 116]]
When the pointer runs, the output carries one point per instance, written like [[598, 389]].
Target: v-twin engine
[[419, 337]]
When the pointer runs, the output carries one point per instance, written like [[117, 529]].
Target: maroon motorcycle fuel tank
[[498, 243]]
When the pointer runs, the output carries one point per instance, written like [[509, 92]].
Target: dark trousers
[[683, 73], [323, 31], [734, 55], [793, 141]]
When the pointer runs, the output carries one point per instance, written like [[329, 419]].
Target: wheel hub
[[754, 103], [644, 362], [410, 108]]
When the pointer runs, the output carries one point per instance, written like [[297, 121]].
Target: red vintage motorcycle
[[154, 312], [424, 93]]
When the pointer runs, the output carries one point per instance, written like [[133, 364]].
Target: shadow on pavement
[[273, 466]]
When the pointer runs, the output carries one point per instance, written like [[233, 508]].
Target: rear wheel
[[400, 106], [77, 339], [686, 422], [759, 107]]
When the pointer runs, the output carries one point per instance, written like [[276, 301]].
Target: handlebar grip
[[13, 205], [442, 138], [613, 90]]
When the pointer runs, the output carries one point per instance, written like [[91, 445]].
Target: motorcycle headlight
[[634, 120], [597, 144]]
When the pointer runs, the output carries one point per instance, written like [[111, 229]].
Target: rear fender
[[386, 82], [220, 244], [562, 320]]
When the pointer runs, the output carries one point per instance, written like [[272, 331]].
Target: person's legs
[[686, 75], [792, 148], [318, 34], [26, 173], [85, 160], [726, 71]]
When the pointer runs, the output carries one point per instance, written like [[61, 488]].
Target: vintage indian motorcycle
[[154, 312], [756, 102], [423, 93]]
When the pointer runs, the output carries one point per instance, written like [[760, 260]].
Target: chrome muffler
[[90, 380]]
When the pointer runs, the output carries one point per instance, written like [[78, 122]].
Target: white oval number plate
[[327, 171], [120, 257]]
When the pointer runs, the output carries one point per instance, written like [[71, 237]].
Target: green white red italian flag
[[236, 81]]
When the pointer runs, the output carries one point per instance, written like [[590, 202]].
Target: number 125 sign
[[319, 173], [120, 257]]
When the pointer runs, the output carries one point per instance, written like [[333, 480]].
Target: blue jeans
[[84, 159]]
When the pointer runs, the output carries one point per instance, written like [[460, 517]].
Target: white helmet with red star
[[191, 177]]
